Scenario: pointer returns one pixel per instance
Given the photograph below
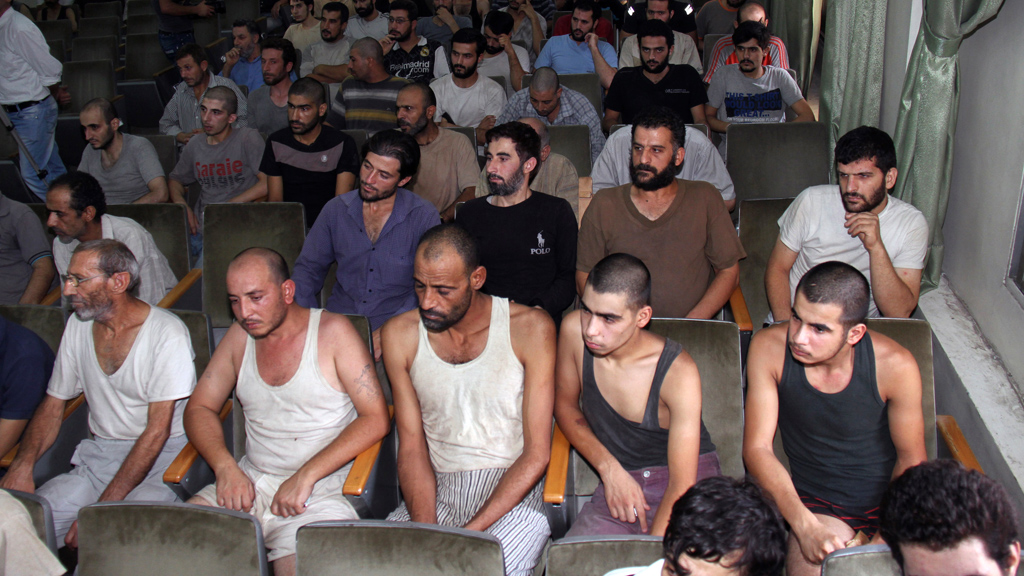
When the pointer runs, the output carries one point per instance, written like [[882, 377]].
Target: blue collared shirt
[[567, 57], [248, 73], [373, 279]]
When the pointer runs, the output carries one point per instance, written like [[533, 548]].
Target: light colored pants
[[96, 462]]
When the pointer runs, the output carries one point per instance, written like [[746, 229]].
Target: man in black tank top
[[639, 422], [847, 402]]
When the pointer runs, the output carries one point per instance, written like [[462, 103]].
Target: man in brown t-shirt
[[679, 228], [448, 166]]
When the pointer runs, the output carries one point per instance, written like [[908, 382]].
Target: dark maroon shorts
[[859, 520]]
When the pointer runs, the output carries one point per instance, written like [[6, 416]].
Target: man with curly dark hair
[[940, 518], [720, 526]]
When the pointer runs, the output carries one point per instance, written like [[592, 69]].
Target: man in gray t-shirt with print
[[225, 162], [127, 167], [750, 92]]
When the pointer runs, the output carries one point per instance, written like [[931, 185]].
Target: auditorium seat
[[360, 136], [139, 8], [146, 23], [41, 514], [709, 47], [106, 26], [587, 84], [143, 55], [168, 223], [143, 116], [869, 560], [239, 10], [777, 160], [87, 80], [56, 30], [598, 555], [759, 229], [715, 347], [58, 49], [379, 548], [206, 30], [11, 183], [103, 9], [166, 149], [501, 82], [216, 50], [573, 142], [97, 48], [158, 539]]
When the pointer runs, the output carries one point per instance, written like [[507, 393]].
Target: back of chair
[[39, 511], [467, 131], [759, 229], [573, 142], [230, 228], [168, 223], [166, 150], [146, 106], [379, 548], [143, 54], [598, 555], [99, 26], [103, 9], [56, 30], [58, 49], [587, 84], [709, 47], [502, 81], [789, 157], [916, 337], [87, 80], [10, 176], [138, 8], [46, 321], [201, 333], [95, 48], [156, 539], [206, 30], [147, 23], [241, 10], [872, 560], [360, 136]]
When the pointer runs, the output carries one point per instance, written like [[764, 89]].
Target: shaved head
[[271, 259]]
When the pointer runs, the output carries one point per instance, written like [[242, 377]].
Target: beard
[[365, 11], [492, 50], [370, 194], [437, 322], [656, 182], [656, 69], [91, 311], [465, 73], [506, 187], [577, 35], [413, 128], [866, 204]]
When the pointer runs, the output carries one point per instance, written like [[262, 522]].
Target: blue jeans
[[36, 126], [171, 41]]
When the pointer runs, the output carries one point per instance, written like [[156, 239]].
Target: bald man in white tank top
[[309, 394], [473, 382]]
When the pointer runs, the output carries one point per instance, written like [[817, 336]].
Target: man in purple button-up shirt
[[371, 232]]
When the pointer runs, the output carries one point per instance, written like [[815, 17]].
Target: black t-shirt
[[529, 250], [310, 173], [631, 92], [684, 17], [415, 66]]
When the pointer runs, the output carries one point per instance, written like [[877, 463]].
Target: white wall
[[984, 199]]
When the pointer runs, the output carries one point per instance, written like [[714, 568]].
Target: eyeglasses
[[75, 280]]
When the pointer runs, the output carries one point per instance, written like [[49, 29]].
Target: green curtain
[[927, 116], [798, 23], [851, 70]]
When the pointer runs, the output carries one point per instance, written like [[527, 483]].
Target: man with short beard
[[448, 165], [304, 383], [327, 59], [366, 99], [368, 22], [684, 49], [502, 57], [408, 55], [582, 51], [244, 63], [442, 24], [856, 222], [371, 233], [268, 104], [133, 362], [527, 239], [181, 117], [126, 166], [473, 377], [655, 82], [716, 17], [464, 97], [680, 229]]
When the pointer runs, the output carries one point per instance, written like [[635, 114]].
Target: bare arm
[[10, 432], [346, 183], [449, 213], [415, 473], [698, 114], [144, 453], [256, 193], [776, 281], [38, 285], [711, 117], [40, 435], [605, 71], [275, 189], [611, 118], [176, 191], [581, 281], [717, 294], [515, 68], [803, 111], [895, 291], [533, 338], [330, 73], [157, 194], [900, 386]]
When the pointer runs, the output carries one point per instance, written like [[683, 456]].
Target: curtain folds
[[798, 23]]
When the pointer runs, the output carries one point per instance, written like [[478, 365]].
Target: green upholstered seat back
[[230, 228], [168, 223], [122, 538], [46, 321], [597, 555], [715, 347], [873, 560], [759, 229], [42, 516], [201, 333], [777, 160], [573, 142], [379, 548]]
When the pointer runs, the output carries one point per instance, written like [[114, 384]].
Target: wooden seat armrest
[[359, 475], [215, 42], [119, 97], [956, 442], [163, 71], [119, 70], [179, 290], [176, 472], [52, 297], [69, 409], [558, 468], [740, 313]]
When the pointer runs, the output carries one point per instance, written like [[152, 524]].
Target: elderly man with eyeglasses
[[133, 362]]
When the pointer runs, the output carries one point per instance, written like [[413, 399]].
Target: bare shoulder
[[233, 342], [682, 376], [571, 324], [401, 330], [890, 356], [767, 351], [336, 325], [531, 328]]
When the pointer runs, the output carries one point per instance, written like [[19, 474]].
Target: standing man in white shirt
[[464, 98], [28, 79]]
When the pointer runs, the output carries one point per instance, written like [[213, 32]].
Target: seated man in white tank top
[[473, 381], [311, 402]]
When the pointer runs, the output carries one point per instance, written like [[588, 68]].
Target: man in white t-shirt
[[368, 22], [501, 56], [133, 362], [306, 29], [464, 97], [856, 222]]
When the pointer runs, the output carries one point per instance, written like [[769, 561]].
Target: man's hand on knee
[[19, 478], [235, 490], [625, 498], [71, 540], [818, 540], [291, 497]]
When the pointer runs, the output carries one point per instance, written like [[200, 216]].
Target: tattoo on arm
[[364, 382]]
